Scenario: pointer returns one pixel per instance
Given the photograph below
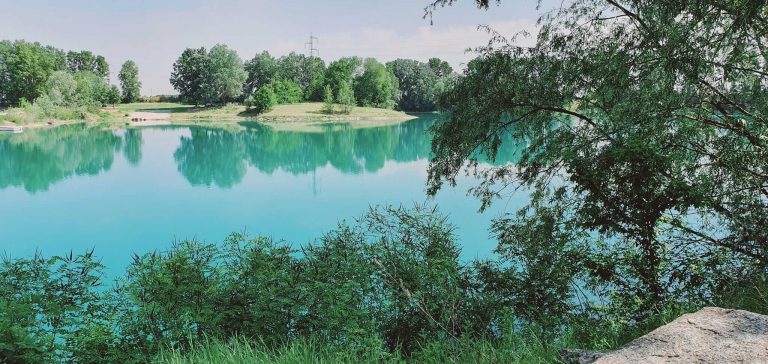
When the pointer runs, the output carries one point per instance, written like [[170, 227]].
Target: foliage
[[70, 96], [646, 159], [327, 100], [113, 96], [439, 67], [92, 90], [262, 101], [188, 75], [25, 68], [86, 61], [341, 72], [306, 72], [376, 86], [208, 77], [346, 98], [225, 77], [389, 287], [420, 87], [129, 81], [287, 92], [261, 70]]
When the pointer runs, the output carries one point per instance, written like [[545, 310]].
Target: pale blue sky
[[153, 32]]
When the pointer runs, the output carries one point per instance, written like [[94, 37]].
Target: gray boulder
[[712, 335]]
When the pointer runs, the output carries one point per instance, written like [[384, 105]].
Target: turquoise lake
[[119, 192]]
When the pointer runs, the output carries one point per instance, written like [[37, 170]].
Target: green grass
[[239, 351], [310, 111], [155, 106], [302, 112], [521, 348], [306, 111]]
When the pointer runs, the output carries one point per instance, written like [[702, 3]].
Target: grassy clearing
[[178, 113], [312, 111]]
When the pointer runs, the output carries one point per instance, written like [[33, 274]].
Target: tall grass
[[241, 351], [519, 348]]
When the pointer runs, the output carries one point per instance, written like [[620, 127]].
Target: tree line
[[218, 75], [56, 81]]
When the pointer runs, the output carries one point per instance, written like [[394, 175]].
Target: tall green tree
[[224, 77], [647, 158], [376, 86], [327, 100], [129, 81], [346, 98], [208, 77], [419, 86], [189, 72], [261, 70], [342, 71]]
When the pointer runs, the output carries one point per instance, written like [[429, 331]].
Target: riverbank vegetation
[[390, 286], [43, 83]]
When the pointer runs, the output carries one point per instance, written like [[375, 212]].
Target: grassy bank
[[172, 113]]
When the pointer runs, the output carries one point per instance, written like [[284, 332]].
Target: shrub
[[287, 92], [327, 100], [346, 98], [262, 101]]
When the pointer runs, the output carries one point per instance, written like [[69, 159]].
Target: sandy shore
[[147, 118]]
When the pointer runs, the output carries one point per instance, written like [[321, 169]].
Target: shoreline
[[293, 117]]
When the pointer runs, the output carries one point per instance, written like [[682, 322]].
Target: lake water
[[75, 188]]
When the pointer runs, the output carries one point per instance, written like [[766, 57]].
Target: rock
[[712, 335], [576, 356]]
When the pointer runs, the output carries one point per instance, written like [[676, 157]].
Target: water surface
[[74, 188]]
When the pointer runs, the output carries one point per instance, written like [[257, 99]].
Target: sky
[[153, 33]]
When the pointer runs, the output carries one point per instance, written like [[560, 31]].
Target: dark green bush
[[262, 101]]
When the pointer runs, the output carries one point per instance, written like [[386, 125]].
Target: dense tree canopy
[[188, 75], [224, 80], [261, 69], [376, 86], [439, 67], [287, 92], [406, 84], [129, 81], [25, 68], [208, 77], [342, 71], [66, 79], [87, 61], [647, 153], [420, 87]]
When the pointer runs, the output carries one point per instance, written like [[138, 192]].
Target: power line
[[311, 44]]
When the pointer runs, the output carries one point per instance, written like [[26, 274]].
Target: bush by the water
[[262, 100], [389, 287]]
